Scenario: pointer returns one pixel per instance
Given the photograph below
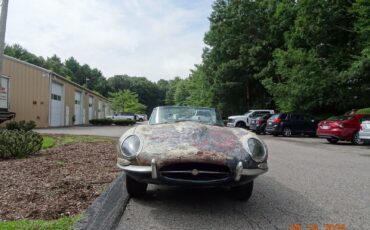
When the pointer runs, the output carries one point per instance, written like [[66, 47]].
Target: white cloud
[[156, 39]]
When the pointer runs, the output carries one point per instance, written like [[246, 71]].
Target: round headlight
[[257, 150], [130, 146]]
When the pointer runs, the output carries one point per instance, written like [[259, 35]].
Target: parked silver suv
[[364, 133]]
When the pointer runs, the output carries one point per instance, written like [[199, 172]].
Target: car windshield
[[172, 114], [248, 112]]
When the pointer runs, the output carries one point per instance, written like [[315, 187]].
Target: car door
[[295, 123], [252, 118], [309, 124]]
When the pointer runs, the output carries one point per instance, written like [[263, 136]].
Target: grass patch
[[62, 223], [48, 142], [71, 139]]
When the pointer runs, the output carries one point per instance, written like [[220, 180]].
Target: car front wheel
[[135, 188], [287, 132], [332, 140], [240, 124], [242, 192]]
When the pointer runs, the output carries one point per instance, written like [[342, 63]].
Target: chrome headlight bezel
[[135, 153], [253, 155]]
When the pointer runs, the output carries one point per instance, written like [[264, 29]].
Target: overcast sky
[[151, 38]]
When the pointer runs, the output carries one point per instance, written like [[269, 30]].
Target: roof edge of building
[[55, 74]]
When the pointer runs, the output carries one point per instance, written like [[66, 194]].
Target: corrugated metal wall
[[30, 94]]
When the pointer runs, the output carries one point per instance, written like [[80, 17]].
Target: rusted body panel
[[191, 142]]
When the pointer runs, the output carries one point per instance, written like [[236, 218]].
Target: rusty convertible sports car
[[190, 146]]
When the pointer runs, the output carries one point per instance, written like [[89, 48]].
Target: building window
[[56, 97], [77, 102]]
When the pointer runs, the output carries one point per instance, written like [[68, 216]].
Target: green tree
[[171, 90], [71, 69], [182, 93], [55, 64], [21, 53], [126, 101], [149, 93], [358, 75], [318, 48]]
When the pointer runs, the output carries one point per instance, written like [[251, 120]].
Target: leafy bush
[[21, 125], [363, 111], [19, 143], [124, 122], [102, 121]]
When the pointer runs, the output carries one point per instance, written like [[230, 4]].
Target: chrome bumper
[[239, 170], [230, 124]]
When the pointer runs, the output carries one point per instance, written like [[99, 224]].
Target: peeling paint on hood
[[191, 142]]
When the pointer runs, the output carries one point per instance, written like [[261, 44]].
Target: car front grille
[[231, 121], [195, 172]]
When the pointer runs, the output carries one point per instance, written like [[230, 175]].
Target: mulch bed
[[61, 181]]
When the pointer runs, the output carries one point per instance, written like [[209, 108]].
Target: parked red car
[[341, 128]]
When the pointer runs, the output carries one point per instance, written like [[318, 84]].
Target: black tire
[[356, 139], [263, 129], [332, 140], [240, 124], [134, 188], [242, 192], [287, 132], [258, 132], [141, 119]]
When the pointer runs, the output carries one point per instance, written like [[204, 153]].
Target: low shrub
[[363, 111], [101, 121], [19, 143], [21, 125], [124, 122]]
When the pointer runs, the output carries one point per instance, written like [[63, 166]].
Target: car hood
[[191, 142]]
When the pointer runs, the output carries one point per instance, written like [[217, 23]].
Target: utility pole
[[3, 16]]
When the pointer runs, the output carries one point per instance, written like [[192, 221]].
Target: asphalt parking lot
[[309, 182]]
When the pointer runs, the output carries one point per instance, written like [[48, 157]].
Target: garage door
[[56, 113], [78, 108], [106, 113], [91, 108]]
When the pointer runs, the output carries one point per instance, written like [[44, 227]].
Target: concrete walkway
[[108, 131]]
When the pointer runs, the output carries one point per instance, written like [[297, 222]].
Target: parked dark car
[[288, 124], [341, 128], [258, 124]]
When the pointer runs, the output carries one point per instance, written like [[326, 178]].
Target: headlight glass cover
[[130, 146], [257, 150]]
